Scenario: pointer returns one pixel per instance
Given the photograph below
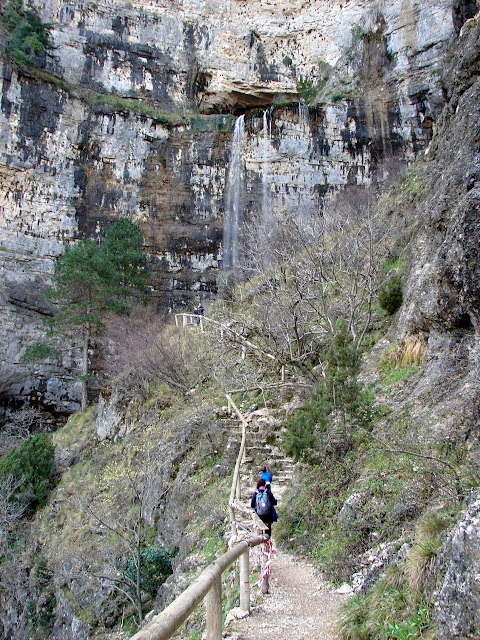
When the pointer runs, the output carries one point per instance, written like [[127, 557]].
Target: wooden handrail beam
[[223, 328], [162, 626]]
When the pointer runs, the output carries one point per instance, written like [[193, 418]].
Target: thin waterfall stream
[[266, 135], [303, 116], [233, 218]]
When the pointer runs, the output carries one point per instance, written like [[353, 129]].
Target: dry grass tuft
[[414, 351], [428, 540]]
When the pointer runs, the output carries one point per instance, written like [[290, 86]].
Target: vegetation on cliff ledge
[[28, 38]]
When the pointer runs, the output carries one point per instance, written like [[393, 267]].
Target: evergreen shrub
[[156, 565], [28, 38], [336, 408], [33, 464]]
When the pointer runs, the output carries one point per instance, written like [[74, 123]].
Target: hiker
[[267, 476], [263, 502], [199, 311]]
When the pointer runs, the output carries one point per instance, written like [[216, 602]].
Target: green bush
[[390, 295], [32, 463], [336, 408], [299, 437], [307, 89], [28, 39], [37, 352], [156, 564]]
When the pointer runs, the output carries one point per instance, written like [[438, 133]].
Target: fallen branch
[[422, 455]]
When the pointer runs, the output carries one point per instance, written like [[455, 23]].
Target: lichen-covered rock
[[67, 625], [442, 290], [109, 419], [456, 613], [229, 56]]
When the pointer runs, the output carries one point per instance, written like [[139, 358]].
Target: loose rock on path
[[300, 606]]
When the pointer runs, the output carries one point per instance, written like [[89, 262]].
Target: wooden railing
[[191, 320], [209, 582], [235, 490]]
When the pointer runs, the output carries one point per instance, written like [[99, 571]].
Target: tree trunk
[[86, 341], [138, 591]]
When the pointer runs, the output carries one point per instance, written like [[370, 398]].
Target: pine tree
[[342, 387], [123, 249], [338, 403], [91, 280]]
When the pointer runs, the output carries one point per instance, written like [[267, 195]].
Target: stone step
[[262, 448], [257, 452], [257, 448]]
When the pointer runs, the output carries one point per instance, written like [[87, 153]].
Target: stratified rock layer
[[125, 133]]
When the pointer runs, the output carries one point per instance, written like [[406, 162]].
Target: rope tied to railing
[[266, 569]]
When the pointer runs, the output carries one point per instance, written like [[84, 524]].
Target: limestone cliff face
[[141, 126], [230, 55]]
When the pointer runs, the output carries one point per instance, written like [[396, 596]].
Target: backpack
[[262, 503]]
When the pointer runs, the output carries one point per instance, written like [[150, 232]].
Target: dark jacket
[[273, 500]]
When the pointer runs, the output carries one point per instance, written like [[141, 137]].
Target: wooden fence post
[[185, 320], [264, 585], [214, 611], [245, 581]]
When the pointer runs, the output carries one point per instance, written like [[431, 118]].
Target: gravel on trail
[[299, 606]]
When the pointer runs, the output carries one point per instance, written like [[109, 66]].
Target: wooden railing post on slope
[[214, 611], [265, 584], [162, 626], [235, 490], [245, 581]]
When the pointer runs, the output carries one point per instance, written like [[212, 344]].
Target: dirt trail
[[300, 606]]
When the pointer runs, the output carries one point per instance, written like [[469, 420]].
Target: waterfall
[[303, 116], [265, 166], [232, 220]]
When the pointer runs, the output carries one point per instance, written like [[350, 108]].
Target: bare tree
[[17, 425], [11, 510], [156, 351], [121, 527], [307, 271]]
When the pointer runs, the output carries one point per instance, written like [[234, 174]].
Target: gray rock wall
[[72, 161], [456, 608]]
